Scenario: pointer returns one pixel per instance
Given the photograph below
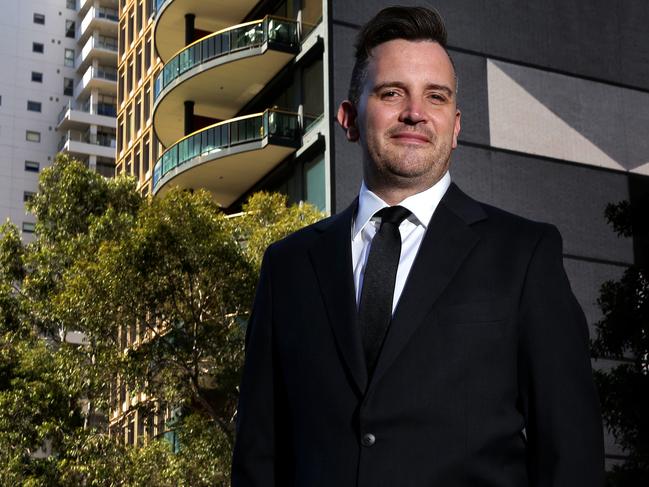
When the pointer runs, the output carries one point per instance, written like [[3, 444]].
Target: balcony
[[222, 72], [102, 19], [103, 78], [104, 49], [169, 30], [229, 157], [80, 115], [87, 144]]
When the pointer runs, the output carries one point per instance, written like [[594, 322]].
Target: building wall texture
[[18, 32], [555, 118]]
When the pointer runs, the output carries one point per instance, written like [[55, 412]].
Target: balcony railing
[[281, 126], [105, 140], [108, 13], [105, 109], [253, 34]]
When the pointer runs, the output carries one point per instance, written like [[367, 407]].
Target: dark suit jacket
[[484, 378]]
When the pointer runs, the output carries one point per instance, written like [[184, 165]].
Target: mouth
[[410, 138]]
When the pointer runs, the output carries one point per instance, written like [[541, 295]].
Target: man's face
[[407, 119]]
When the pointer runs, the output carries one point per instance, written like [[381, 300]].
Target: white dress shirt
[[365, 225]]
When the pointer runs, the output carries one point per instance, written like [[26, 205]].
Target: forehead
[[403, 60]]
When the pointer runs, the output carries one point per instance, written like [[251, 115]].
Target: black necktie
[[375, 307]]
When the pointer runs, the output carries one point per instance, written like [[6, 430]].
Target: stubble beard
[[406, 166]]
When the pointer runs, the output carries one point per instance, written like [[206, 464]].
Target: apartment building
[[87, 123], [37, 51], [57, 93], [235, 96]]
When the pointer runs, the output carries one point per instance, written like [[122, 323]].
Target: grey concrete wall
[[603, 39]]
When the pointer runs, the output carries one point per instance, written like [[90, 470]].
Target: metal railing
[[103, 139], [244, 36], [105, 109], [282, 126], [107, 13], [109, 74]]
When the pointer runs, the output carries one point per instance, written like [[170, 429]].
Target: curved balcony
[[221, 72], [169, 29], [229, 157]]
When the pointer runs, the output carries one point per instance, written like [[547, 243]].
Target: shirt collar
[[422, 205]]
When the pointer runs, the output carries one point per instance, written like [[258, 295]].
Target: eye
[[388, 94], [438, 97]]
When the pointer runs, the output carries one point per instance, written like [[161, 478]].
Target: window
[[33, 106], [28, 195], [70, 27], [147, 103], [127, 127], [38, 47], [129, 77], [138, 66], [32, 166], [29, 227], [32, 136], [138, 119], [37, 77], [136, 166], [68, 86], [140, 14], [69, 58], [147, 55], [71, 4], [122, 40], [145, 155], [39, 19], [131, 22]]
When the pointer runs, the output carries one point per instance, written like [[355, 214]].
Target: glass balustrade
[[222, 43], [281, 126]]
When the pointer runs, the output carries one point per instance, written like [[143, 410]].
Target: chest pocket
[[475, 313]]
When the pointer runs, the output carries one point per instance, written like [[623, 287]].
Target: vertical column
[[189, 117], [189, 28]]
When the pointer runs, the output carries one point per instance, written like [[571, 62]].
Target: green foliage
[[174, 277], [267, 218], [623, 334]]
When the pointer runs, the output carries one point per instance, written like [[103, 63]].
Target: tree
[[623, 334], [160, 290]]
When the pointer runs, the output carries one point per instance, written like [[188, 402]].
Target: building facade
[[58, 93], [37, 46], [239, 96], [87, 124]]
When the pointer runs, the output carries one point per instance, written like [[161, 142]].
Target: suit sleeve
[[563, 419], [261, 448]]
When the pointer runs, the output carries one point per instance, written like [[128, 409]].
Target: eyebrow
[[399, 84]]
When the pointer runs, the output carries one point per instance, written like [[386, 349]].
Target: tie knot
[[393, 214]]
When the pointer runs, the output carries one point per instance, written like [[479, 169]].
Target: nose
[[412, 112]]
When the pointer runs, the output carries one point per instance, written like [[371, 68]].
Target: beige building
[[226, 96]]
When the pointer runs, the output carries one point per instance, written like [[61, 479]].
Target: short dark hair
[[409, 23]]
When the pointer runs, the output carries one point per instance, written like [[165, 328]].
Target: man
[[435, 343]]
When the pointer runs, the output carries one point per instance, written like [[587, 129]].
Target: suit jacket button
[[368, 439]]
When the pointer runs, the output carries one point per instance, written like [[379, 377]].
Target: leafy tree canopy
[[157, 293]]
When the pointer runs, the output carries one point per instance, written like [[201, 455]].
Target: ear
[[347, 120], [456, 129]]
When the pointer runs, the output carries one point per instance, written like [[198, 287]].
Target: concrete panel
[[570, 196], [603, 39], [347, 159], [568, 118]]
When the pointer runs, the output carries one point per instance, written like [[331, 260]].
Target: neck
[[394, 193]]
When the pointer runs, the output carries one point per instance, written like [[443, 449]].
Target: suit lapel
[[447, 242], [332, 260]]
